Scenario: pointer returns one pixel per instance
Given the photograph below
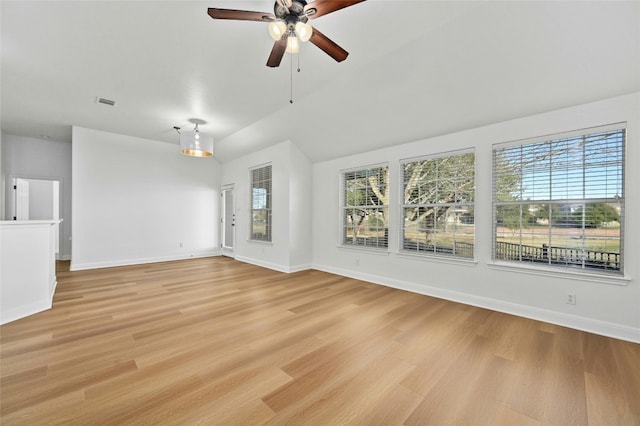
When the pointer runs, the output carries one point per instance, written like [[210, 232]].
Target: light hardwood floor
[[218, 342]]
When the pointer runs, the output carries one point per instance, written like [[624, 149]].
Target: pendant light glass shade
[[303, 31], [277, 29], [196, 144], [292, 44]]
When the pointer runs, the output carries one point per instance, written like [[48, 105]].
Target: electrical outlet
[[357, 262], [181, 245], [571, 298]]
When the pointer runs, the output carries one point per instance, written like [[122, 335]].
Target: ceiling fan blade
[[285, 3], [240, 15], [329, 47], [277, 53], [323, 7]]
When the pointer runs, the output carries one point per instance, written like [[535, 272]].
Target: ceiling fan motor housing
[[291, 15]]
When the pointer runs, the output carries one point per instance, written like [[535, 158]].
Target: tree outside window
[[365, 218], [438, 205]]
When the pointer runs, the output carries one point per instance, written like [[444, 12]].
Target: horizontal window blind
[[561, 202], [261, 213], [438, 205], [364, 207]]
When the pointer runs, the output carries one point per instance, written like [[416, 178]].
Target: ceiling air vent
[[105, 101]]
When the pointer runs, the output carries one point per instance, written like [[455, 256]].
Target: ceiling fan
[[288, 24]]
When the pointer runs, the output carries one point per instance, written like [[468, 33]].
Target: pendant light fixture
[[194, 143], [295, 31]]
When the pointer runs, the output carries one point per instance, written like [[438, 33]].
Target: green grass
[[598, 239]]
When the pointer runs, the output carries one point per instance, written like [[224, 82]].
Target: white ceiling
[[416, 69]]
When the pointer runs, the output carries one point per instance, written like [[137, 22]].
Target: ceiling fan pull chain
[[291, 75], [291, 78]]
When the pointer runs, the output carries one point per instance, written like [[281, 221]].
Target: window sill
[[560, 273], [379, 251], [462, 261]]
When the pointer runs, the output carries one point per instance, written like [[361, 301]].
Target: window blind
[[365, 207], [438, 204], [560, 202], [261, 212]]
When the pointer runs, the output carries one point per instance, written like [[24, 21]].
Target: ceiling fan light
[[277, 29], [292, 44], [304, 31]]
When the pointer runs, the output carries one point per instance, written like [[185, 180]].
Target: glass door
[[228, 220]]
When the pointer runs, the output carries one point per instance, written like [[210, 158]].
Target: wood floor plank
[[48, 389], [348, 400], [217, 341], [221, 401], [567, 402], [446, 401], [530, 372], [627, 357], [393, 407]]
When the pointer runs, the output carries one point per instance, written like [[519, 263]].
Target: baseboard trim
[[53, 286], [24, 311], [140, 261], [603, 328]]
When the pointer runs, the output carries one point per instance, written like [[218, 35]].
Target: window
[[261, 204], [438, 204], [560, 202], [365, 207]]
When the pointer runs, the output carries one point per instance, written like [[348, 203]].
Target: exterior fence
[[559, 256], [551, 255], [458, 248]]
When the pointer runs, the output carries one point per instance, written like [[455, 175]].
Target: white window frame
[[588, 165], [261, 205], [455, 211], [362, 225]]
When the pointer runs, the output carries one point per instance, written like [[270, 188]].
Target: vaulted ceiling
[[416, 69]]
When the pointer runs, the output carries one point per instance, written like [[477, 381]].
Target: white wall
[[2, 179], [34, 158], [137, 201], [290, 249], [605, 306], [41, 194], [300, 201]]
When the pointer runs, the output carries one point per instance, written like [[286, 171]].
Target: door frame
[[56, 206], [227, 215]]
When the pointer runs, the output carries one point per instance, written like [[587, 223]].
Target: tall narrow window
[[438, 205], [365, 207], [560, 201], [261, 204]]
